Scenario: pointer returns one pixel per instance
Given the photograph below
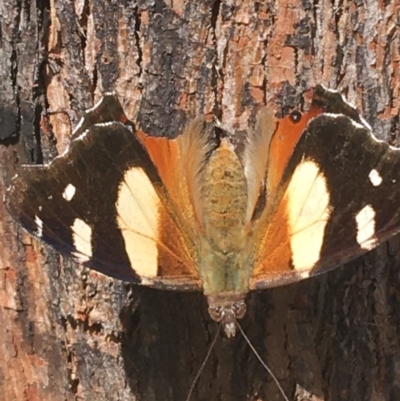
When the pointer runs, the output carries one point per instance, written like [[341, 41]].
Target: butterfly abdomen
[[224, 198], [223, 206]]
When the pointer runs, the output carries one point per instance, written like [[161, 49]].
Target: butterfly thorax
[[223, 207]]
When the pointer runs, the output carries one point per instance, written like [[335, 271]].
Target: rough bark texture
[[67, 333]]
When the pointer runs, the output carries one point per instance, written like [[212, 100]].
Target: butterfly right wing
[[336, 197]]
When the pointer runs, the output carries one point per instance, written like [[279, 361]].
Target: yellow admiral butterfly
[[196, 213]]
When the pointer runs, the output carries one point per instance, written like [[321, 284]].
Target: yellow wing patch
[[138, 220], [307, 203]]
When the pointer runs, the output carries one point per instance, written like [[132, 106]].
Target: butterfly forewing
[[104, 204], [316, 220]]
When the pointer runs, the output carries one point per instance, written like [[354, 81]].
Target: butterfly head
[[226, 309]]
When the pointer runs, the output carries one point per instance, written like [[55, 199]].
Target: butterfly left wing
[[336, 196], [104, 203], [106, 110]]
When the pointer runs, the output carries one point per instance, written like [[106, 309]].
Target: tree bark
[[68, 333]]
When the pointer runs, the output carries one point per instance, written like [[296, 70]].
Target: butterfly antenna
[[262, 362], [204, 363]]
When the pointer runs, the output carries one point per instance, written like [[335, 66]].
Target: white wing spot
[[375, 178], [138, 218], [39, 226], [308, 212], [82, 237], [365, 220], [69, 192]]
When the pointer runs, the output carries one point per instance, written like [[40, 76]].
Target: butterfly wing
[[336, 199], [103, 203]]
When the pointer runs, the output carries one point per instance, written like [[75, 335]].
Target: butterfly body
[[218, 196], [223, 207], [305, 194]]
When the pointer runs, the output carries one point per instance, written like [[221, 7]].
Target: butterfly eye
[[216, 313], [240, 309], [295, 116]]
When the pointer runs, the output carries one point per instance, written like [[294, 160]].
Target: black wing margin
[[363, 180], [82, 185]]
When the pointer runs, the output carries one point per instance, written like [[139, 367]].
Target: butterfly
[[304, 194]]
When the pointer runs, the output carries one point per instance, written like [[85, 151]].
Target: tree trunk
[[68, 333]]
